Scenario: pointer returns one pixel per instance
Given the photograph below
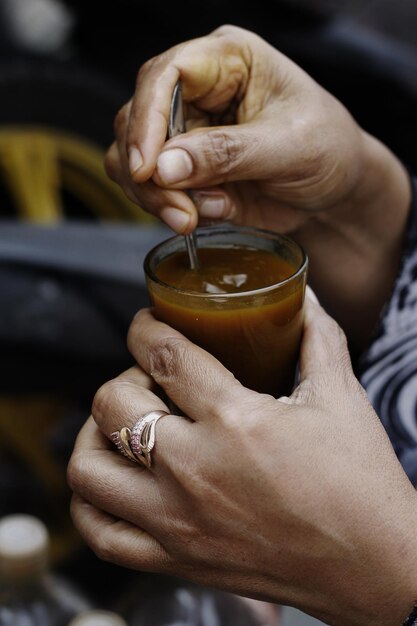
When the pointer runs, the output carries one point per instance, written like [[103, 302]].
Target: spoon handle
[[176, 126]]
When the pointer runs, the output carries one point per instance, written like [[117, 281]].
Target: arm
[[355, 249]]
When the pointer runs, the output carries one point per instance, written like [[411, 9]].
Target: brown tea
[[244, 305]]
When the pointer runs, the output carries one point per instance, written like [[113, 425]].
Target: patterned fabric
[[388, 370], [412, 618]]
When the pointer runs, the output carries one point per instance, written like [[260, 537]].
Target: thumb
[[214, 155], [324, 352]]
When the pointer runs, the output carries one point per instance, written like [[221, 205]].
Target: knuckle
[[168, 356], [111, 165], [120, 120], [150, 65], [228, 413], [225, 29], [85, 479], [144, 69], [223, 151], [102, 545], [311, 150], [105, 399], [158, 561], [234, 405], [78, 472]]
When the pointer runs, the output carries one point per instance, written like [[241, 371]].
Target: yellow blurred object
[[37, 164], [25, 422], [43, 170]]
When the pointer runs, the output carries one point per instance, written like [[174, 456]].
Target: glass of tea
[[244, 304]]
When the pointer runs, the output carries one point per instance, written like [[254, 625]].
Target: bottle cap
[[24, 546], [98, 618]]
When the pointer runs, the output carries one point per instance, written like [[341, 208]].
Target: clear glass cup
[[255, 333]]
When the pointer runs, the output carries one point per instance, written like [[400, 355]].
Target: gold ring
[[138, 443], [142, 439], [121, 439]]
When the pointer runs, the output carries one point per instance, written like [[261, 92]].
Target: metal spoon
[[176, 126]]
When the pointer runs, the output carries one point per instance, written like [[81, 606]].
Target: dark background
[[364, 52], [70, 66]]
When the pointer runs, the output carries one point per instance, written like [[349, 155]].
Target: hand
[[299, 500], [268, 141], [268, 147]]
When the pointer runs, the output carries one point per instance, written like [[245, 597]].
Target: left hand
[[299, 501]]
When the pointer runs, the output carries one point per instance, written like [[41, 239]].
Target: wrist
[[381, 587], [391, 593], [374, 210], [379, 202], [356, 246]]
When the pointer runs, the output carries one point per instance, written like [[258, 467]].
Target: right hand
[[268, 146]]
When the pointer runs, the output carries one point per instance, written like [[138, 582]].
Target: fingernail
[[212, 207], [135, 160], [176, 219], [174, 165]]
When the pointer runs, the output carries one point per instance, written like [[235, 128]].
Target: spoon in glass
[[176, 126]]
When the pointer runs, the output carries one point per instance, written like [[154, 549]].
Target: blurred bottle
[[30, 593], [161, 601], [97, 618]]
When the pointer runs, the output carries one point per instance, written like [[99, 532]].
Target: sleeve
[[412, 618], [388, 368]]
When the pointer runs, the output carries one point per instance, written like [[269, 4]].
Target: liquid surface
[[257, 335], [225, 270]]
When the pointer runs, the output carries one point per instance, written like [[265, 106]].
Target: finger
[[120, 125], [116, 161], [114, 170], [118, 541], [324, 351], [175, 208], [197, 382], [212, 71], [125, 399], [112, 483], [215, 155]]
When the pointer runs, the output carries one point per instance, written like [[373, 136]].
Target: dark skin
[[268, 147], [280, 499]]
